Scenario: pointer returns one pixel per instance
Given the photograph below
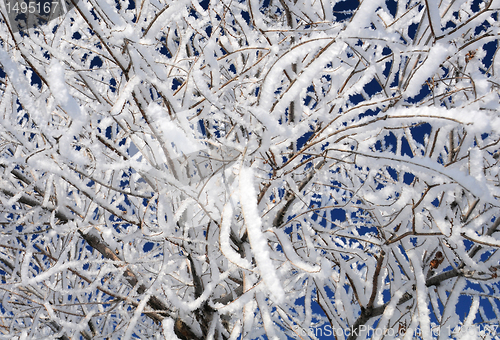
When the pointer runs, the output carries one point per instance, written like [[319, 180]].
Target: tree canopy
[[250, 169]]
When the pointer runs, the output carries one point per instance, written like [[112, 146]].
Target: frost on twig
[[252, 169]]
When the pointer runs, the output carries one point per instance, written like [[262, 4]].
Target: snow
[[363, 17], [436, 56], [226, 248], [88, 152], [435, 18], [235, 306], [125, 94], [469, 330], [258, 242], [390, 309], [327, 48], [292, 255], [171, 131], [422, 294], [135, 317], [167, 325], [476, 164], [22, 87], [266, 316], [61, 92], [450, 317]]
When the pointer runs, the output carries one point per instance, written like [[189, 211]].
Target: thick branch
[[94, 240]]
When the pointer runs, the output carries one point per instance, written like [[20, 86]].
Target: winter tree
[[251, 169]]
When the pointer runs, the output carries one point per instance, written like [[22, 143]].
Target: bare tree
[[250, 169]]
